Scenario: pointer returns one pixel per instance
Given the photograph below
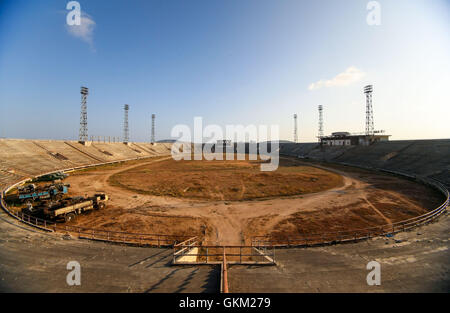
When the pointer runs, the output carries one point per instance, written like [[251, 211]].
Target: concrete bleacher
[[26, 158], [21, 159], [428, 158], [378, 154], [159, 147], [7, 177], [65, 152], [144, 148], [118, 150], [295, 149], [90, 154], [328, 154]]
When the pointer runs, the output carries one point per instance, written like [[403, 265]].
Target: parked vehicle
[[71, 207], [31, 192], [59, 176]]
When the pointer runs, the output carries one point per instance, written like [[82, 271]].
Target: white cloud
[[349, 76], [84, 31]]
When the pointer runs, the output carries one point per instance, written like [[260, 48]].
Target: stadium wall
[[21, 159], [422, 160], [425, 158]]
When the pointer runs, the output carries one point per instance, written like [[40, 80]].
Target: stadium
[[102, 192], [186, 216]]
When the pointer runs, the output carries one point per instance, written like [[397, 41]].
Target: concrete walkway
[[33, 261], [415, 261]]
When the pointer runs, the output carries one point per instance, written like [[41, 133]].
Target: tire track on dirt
[[376, 210]]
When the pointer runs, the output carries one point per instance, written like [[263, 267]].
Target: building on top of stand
[[348, 139]]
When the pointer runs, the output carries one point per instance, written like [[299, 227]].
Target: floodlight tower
[[153, 129], [126, 135], [295, 129], [320, 122], [369, 110], [83, 134]]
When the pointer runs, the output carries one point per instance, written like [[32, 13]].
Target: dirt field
[[341, 198], [224, 180]]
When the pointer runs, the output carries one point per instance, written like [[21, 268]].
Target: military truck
[[58, 176], [69, 208], [31, 192]]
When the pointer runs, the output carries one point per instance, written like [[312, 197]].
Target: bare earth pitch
[[224, 180], [230, 201]]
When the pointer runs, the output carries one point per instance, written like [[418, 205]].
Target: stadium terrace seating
[[21, 159], [428, 158]]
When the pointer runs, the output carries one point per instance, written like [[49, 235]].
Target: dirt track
[[365, 199]]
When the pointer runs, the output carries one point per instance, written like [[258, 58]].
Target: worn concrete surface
[[22, 158], [428, 158], [415, 261], [32, 261]]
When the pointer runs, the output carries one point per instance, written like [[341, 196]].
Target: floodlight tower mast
[[369, 110], [126, 134], [83, 134], [320, 135], [295, 129], [153, 129]]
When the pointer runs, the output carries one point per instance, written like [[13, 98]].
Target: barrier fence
[[262, 249], [224, 284], [142, 239], [159, 240], [312, 239], [193, 252]]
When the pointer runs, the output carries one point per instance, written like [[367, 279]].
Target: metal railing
[[194, 253], [224, 276], [312, 239], [264, 246], [74, 168], [142, 239]]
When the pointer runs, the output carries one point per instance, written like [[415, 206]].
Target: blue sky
[[229, 61]]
